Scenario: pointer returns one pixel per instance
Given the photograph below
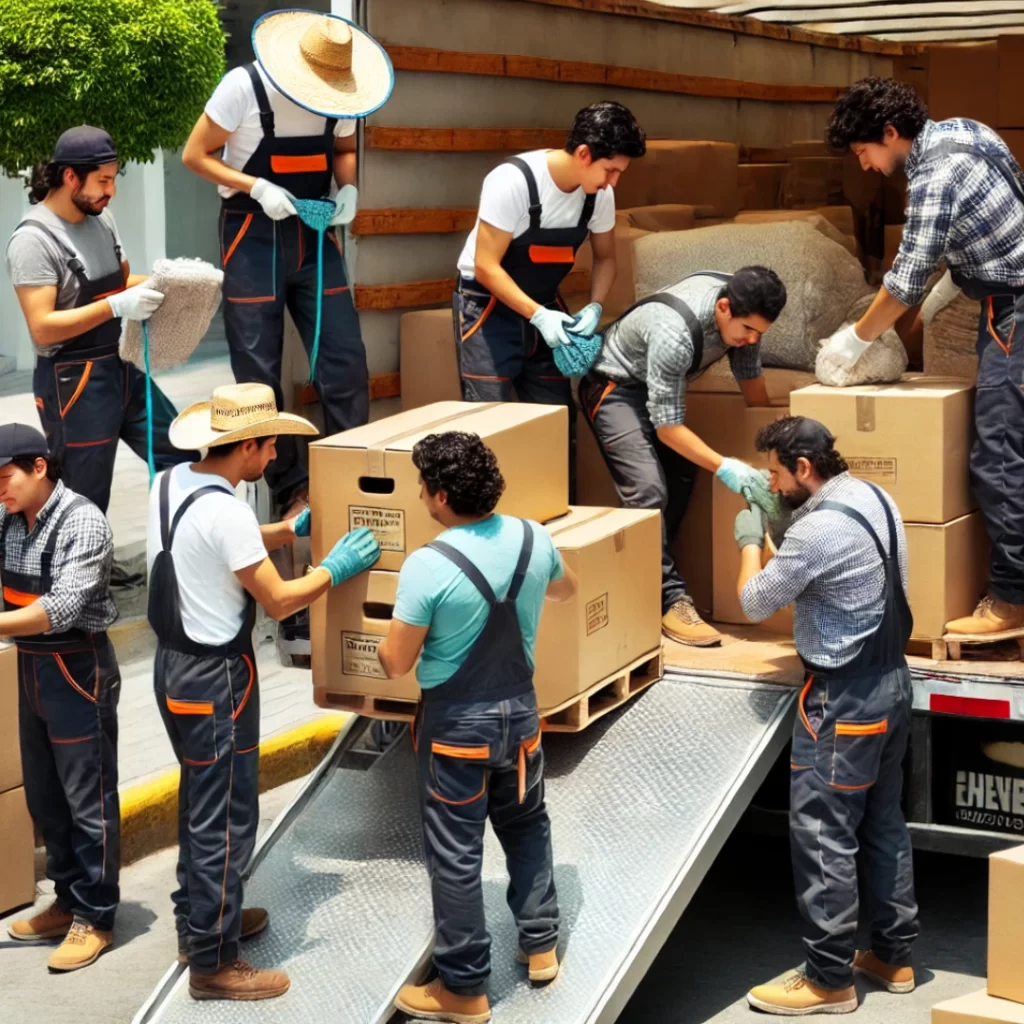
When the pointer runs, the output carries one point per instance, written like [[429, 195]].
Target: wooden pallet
[[1003, 649], [392, 708]]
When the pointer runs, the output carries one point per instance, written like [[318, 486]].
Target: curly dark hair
[[464, 468], [608, 129], [49, 176], [755, 291], [799, 437], [868, 106]]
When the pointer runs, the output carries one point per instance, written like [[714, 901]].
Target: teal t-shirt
[[434, 592]]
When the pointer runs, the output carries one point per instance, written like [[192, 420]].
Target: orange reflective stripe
[[461, 803], [521, 772], [19, 597], [1008, 344], [800, 706], [70, 679], [248, 688], [298, 164], [552, 254], [851, 789], [862, 728], [532, 745], [241, 234], [190, 707], [480, 320], [465, 753], [86, 374], [608, 389]]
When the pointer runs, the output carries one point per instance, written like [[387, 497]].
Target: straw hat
[[323, 62], [237, 412]]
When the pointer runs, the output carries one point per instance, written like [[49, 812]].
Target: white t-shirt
[[216, 537], [234, 108], [505, 204]]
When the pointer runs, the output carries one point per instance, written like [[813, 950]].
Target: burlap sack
[[950, 332]]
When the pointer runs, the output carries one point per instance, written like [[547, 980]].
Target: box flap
[[576, 515], [978, 1008], [395, 426], [607, 523]]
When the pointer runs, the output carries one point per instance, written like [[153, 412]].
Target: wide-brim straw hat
[[237, 412], [323, 62]]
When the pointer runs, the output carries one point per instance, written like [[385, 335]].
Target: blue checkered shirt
[[829, 565], [961, 208]]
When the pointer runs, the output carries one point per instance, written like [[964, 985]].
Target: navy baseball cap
[[85, 145], [18, 439]]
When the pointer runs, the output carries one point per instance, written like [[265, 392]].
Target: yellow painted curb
[[149, 810]]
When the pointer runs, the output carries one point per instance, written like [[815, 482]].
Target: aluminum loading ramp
[[640, 803]]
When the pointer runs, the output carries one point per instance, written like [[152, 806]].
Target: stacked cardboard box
[[963, 81]]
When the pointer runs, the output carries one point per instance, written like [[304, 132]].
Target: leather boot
[[542, 967], [239, 982], [683, 624], [899, 980], [435, 1002], [83, 946], [51, 923], [798, 996], [991, 618]]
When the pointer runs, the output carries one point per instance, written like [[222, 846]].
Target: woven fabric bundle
[[192, 290], [950, 332], [884, 362], [317, 214], [575, 359]]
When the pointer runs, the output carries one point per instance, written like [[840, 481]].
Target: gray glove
[[552, 324], [749, 528]]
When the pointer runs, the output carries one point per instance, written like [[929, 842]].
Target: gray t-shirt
[[34, 259], [652, 344]]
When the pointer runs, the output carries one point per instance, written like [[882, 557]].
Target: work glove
[[345, 203], [765, 498], [300, 524], [743, 479], [139, 302], [749, 527], [552, 324], [587, 320], [277, 202], [352, 554], [846, 345]]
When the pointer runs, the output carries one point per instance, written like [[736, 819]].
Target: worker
[[843, 561], [965, 204], [56, 550], [470, 603], [536, 210], [208, 569], [276, 131], [635, 402], [74, 285]]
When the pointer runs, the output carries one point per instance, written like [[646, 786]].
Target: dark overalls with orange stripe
[[68, 688], [846, 790], [88, 398], [272, 265], [501, 355], [479, 752], [208, 698]]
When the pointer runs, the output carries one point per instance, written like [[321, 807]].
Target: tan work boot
[[51, 923], [82, 947], [798, 996], [543, 967], [435, 1002], [991, 618], [682, 623], [254, 920], [239, 982], [899, 980]]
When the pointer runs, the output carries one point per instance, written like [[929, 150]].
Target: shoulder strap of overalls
[[169, 526], [693, 325], [476, 577], [51, 542], [3, 538], [852, 513], [588, 210], [332, 123], [531, 188], [993, 160], [262, 101], [75, 265]]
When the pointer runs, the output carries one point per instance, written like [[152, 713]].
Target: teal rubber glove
[[345, 203], [355, 552], [587, 320], [301, 523], [749, 528], [740, 478], [765, 498], [551, 323]]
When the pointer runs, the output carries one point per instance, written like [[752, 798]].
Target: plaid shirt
[[80, 592], [829, 565], [961, 208]]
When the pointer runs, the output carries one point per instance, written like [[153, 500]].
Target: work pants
[[211, 709], [646, 472], [272, 265], [479, 761], [67, 719], [846, 787]]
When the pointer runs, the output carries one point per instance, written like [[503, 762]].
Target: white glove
[[847, 345], [137, 303], [344, 206], [587, 320], [277, 202], [552, 324]]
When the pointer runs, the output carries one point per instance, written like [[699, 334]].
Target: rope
[[316, 214], [150, 460]]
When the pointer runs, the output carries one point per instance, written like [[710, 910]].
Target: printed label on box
[[597, 614], [359, 655], [386, 524], [882, 471]]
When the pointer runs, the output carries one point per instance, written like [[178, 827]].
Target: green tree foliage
[[142, 69]]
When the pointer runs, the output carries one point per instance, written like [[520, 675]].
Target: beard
[[90, 207], [795, 499]]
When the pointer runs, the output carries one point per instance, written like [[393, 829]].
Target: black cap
[[812, 434], [17, 439], [85, 145]]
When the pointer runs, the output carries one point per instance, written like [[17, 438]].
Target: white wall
[[140, 213], [14, 340]]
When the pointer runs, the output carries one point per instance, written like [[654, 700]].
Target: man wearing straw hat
[[208, 569], [286, 125]]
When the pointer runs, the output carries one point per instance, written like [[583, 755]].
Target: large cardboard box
[[616, 616], [1006, 921], [623, 292], [912, 438], [760, 186], [700, 174], [17, 851], [366, 476], [978, 1008], [963, 81], [948, 571], [1011, 103], [428, 358], [10, 751], [812, 182]]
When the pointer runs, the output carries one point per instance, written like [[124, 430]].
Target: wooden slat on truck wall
[[413, 221]]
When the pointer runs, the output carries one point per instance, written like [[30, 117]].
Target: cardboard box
[[963, 81], [666, 217], [948, 571], [623, 292], [700, 174], [17, 851], [616, 616], [366, 477], [10, 750], [760, 186], [893, 237], [913, 438], [1014, 139], [1011, 104], [1006, 920], [977, 1008], [914, 71], [428, 358], [813, 181]]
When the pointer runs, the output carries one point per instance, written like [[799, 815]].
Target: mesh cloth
[[316, 214], [576, 358]]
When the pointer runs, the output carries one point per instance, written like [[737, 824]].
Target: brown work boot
[[51, 923], [899, 980], [435, 1002], [239, 982], [543, 967], [798, 996], [82, 947], [991, 618], [254, 920], [682, 623]]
